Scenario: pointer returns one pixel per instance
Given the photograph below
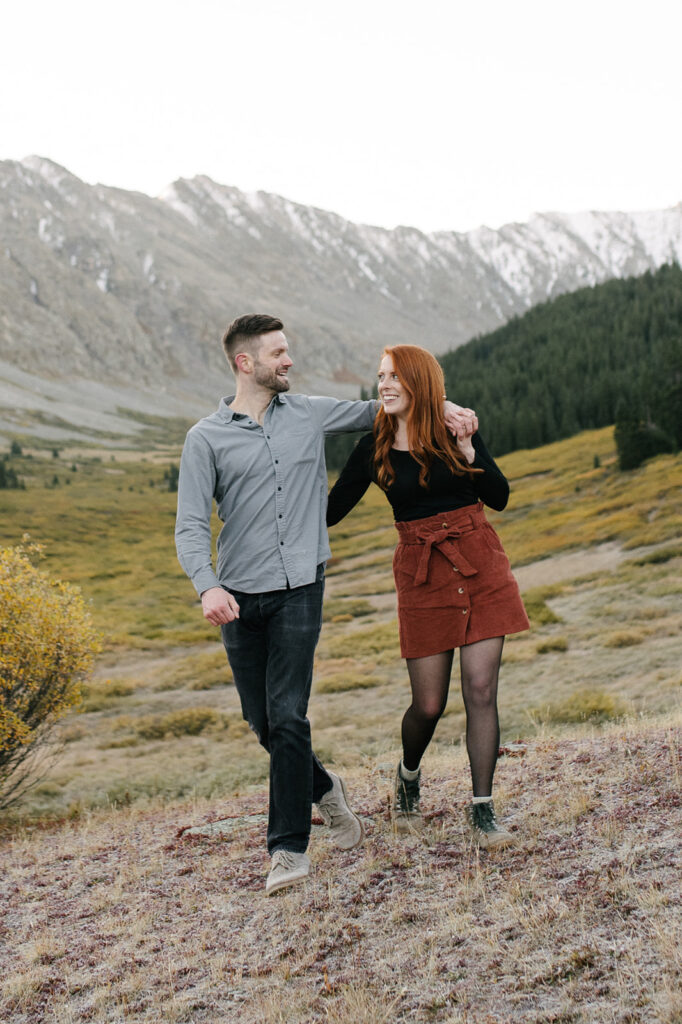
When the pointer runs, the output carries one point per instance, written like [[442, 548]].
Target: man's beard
[[268, 378]]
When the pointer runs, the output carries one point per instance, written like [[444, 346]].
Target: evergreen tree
[[572, 363]]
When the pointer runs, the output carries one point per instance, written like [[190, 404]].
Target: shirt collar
[[228, 414]]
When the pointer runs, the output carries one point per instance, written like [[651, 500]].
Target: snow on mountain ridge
[[136, 291], [591, 246]]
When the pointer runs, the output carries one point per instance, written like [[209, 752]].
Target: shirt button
[[279, 488], [276, 461], [282, 543], [280, 516]]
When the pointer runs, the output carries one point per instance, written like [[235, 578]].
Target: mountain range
[[112, 303]]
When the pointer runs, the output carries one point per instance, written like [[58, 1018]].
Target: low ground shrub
[[535, 601], [338, 682], [553, 643], [349, 609], [185, 722], [362, 642], [658, 556], [623, 638], [583, 706], [97, 696]]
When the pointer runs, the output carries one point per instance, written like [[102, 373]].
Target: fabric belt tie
[[445, 541]]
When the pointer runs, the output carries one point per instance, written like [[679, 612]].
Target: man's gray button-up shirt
[[269, 483]]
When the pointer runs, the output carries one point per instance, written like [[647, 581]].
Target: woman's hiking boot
[[485, 829], [406, 809]]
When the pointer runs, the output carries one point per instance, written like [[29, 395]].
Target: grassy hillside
[[577, 362], [112, 910], [595, 550]]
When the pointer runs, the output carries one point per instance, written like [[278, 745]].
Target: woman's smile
[[392, 393]]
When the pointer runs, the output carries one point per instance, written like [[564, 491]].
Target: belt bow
[[447, 537]]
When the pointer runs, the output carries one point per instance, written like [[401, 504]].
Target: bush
[[638, 440], [585, 706], [348, 608], [538, 610], [171, 477], [186, 722], [47, 646], [657, 557], [339, 682], [554, 643], [623, 638]]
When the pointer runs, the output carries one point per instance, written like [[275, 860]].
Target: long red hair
[[427, 436]]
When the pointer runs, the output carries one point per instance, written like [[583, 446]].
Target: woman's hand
[[460, 422], [465, 447]]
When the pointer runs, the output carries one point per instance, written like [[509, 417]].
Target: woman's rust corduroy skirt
[[454, 583]]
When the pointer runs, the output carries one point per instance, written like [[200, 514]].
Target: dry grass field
[[107, 914], [115, 917]]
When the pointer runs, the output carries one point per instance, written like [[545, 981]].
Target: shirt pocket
[[304, 446]]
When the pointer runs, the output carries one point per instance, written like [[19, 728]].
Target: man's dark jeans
[[271, 647]]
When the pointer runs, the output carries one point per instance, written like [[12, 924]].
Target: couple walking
[[260, 456]]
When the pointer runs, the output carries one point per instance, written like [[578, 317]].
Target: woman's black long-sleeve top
[[446, 491]]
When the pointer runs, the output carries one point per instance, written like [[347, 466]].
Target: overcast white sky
[[436, 113]]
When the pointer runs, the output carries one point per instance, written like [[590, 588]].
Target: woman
[[454, 584]]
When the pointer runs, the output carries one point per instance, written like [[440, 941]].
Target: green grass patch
[[186, 722], [339, 682], [348, 608], [535, 601], [100, 696], [551, 645], [623, 638], [657, 557], [201, 670], [371, 641], [583, 706]]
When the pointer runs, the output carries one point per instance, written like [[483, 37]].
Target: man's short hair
[[243, 334]]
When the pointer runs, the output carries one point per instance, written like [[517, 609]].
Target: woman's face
[[393, 395]]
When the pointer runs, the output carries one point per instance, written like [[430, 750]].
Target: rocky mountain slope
[[112, 300]]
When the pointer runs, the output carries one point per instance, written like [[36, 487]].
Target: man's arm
[[338, 416], [341, 416], [196, 485]]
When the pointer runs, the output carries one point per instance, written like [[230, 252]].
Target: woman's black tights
[[430, 682]]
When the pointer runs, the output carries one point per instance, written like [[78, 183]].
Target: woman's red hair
[[427, 436]]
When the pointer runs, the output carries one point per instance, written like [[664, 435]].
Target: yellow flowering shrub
[[47, 646]]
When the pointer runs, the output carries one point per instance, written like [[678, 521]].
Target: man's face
[[272, 362]]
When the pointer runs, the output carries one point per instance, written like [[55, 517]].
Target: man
[[261, 457]]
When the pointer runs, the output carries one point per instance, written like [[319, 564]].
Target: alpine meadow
[[132, 870]]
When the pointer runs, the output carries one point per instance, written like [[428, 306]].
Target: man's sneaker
[[485, 828], [346, 828], [287, 868], [406, 810]]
